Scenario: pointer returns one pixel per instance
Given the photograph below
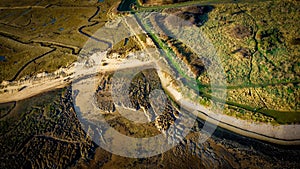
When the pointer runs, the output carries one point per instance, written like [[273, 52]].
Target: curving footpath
[[279, 134]]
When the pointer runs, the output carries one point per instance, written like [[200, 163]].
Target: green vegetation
[[262, 64], [125, 5], [127, 45], [258, 44], [16, 55], [266, 78], [269, 40], [32, 42]]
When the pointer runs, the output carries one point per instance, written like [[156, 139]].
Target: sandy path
[[280, 134], [19, 90]]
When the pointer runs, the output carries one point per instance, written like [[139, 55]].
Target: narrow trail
[[250, 131], [203, 92], [75, 51]]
